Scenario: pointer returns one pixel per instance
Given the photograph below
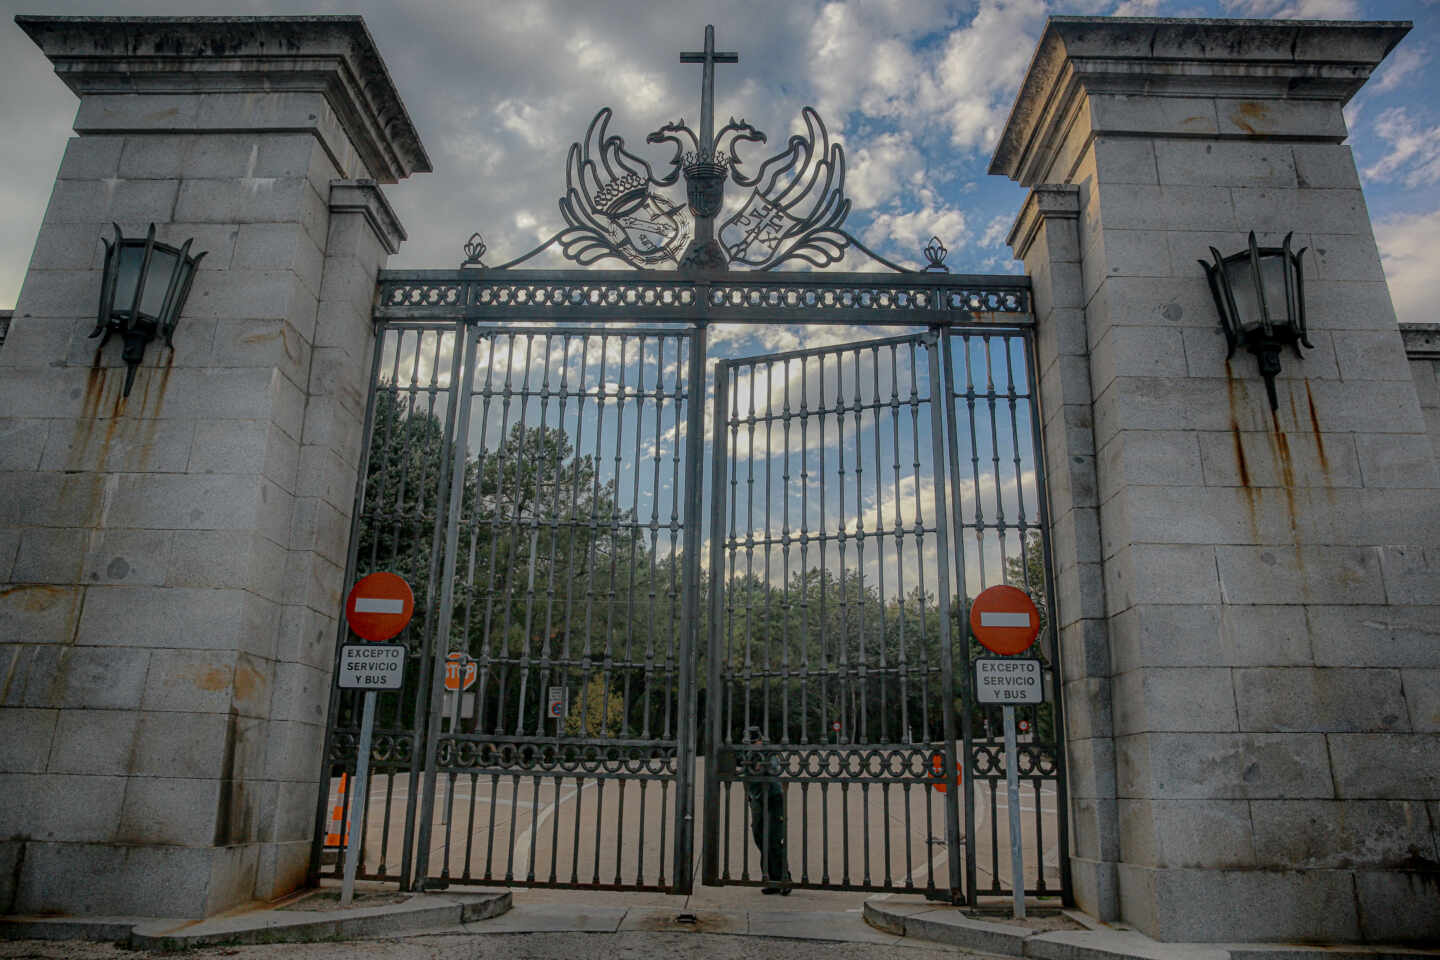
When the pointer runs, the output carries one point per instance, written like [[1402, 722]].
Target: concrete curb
[[950, 927], [98, 929], [420, 912]]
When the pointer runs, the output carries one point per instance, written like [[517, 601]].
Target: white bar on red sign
[[392, 605], [997, 618]]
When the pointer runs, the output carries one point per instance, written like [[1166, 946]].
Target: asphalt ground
[[621, 945]]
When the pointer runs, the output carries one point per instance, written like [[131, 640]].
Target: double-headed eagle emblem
[[617, 206]]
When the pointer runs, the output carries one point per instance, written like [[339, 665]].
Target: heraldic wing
[[610, 208], [797, 206]]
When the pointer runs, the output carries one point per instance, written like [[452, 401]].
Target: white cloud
[[908, 231], [1407, 249], [888, 76], [1398, 66], [879, 171], [1414, 156], [1137, 8], [997, 230], [1001, 37], [1294, 9]]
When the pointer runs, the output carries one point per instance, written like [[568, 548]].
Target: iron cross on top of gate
[[709, 57], [705, 175]]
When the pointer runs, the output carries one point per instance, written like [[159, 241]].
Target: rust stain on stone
[[1240, 460], [1241, 463], [1287, 475], [1319, 437], [248, 682], [94, 385], [1320, 444], [216, 678], [35, 597], [1247, 112], [1282, 450], [89, 408], [164, 379]]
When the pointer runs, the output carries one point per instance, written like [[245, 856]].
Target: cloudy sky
[[916, 90]]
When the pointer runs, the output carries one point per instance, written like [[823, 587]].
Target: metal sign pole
[[464, 665], [357, 801], [1012, 790]]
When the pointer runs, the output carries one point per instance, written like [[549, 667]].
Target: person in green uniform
[[767, 818]]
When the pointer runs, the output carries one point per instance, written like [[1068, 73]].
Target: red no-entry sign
[[379, 606], [1004, 620]]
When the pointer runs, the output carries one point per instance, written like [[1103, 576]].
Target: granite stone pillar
[[1249, 621], [171, 563]]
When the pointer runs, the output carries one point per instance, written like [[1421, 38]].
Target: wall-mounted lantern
[[1260, 296], [144, 287]]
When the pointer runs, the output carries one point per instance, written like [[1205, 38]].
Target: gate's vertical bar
[[423, 692], [685, 703], [947, 356], [714, 702], [939, 396], [1042, 500], [447, 597], [322, 800]]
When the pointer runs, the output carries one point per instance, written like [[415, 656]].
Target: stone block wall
[[1045, 236], [1422, 349], [171, 562], [1271, 581]]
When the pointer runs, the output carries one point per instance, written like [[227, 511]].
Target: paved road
[[625, 945]]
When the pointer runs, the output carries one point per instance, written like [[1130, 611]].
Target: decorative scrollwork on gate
[[617, 207], [422, 294], [1031, 760], [386, 749], [472, 754], [782, 297], [906, 763]]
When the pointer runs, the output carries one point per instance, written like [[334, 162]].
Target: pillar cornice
[[364, 197], [331, 56], [1245, 61], [1044, 202]]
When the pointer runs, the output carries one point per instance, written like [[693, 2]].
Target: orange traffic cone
[[337, 832]]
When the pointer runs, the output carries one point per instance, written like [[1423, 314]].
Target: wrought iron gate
[[570, 565], [831, 624], [535, 445], [837, 476], [537, 488]]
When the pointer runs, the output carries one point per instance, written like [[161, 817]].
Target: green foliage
[[600, 710], [550, 567], [402, 480]]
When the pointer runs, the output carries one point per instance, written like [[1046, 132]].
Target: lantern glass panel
[[1242, 285], [1272, 275], [157, 281], [127, 273]]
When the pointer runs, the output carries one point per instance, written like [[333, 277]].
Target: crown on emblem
[[704, 164], [618, 193]]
